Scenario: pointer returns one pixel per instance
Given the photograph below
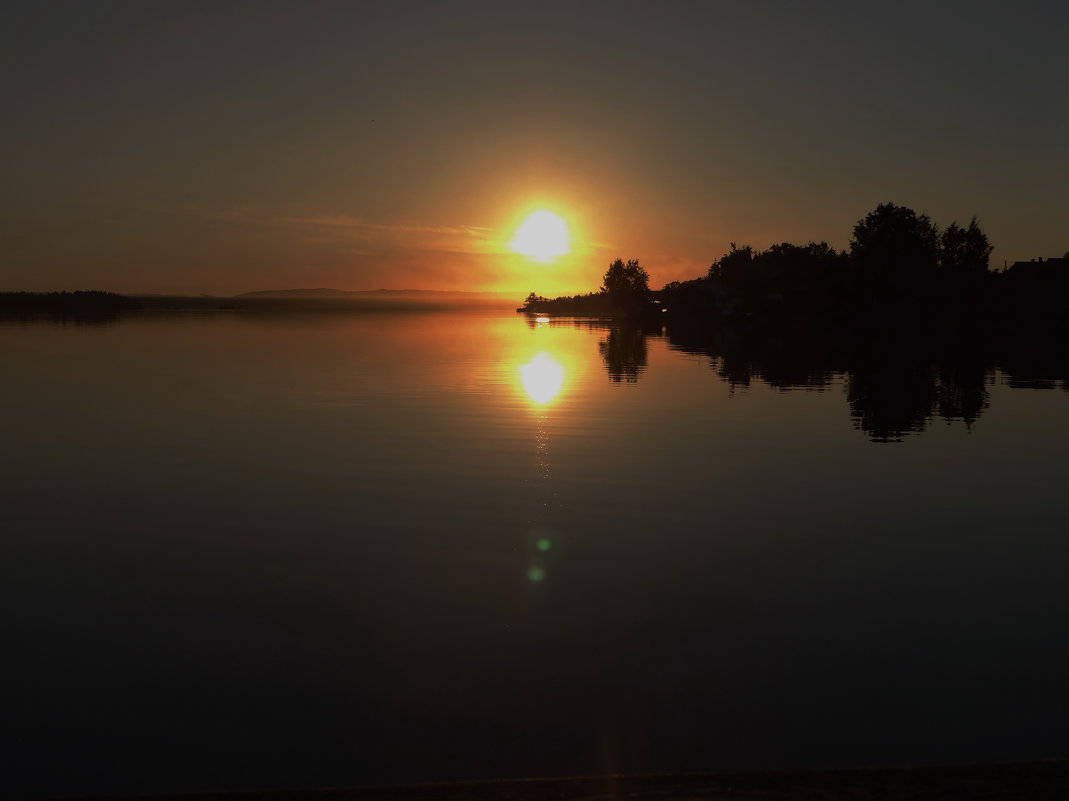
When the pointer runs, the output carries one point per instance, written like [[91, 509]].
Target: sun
[[543, 236]]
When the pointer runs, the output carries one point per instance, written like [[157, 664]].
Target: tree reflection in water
[[624, 352], [896, 383]]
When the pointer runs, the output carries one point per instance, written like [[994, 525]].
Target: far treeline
[[75, 303], [899, 264]]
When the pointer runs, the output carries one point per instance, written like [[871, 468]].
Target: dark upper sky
[[225, 147]]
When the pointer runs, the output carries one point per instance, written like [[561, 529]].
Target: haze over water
[[261, 551]]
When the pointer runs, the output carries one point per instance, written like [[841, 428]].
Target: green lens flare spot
[[536, 574], [544, 544]]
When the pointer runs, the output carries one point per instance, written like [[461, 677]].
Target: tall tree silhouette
[[627, 284], [895, 249], [964, 251], [734, 267]]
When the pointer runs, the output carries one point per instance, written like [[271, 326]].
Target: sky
[[228, 147]]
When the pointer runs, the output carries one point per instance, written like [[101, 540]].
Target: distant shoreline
[[94, 304]]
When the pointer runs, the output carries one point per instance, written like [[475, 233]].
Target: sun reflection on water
[[542, 378]]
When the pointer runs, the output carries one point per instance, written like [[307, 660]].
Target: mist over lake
[[257, 551]]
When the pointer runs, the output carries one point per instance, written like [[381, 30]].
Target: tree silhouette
[[627, 285], [964, 251], [734, 266], [895, 248], [623, 278], [533, 300]]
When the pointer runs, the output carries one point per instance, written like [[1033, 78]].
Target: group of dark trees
[[625, 291], [83, 306], [34, 301], [626, 285], [897, 260], [899, 263]]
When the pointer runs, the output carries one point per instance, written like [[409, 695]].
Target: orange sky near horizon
[[176, 148]]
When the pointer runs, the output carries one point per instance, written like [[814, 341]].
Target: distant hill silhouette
[[294, 293]]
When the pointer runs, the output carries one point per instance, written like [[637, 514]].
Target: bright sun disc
[[543, 236]]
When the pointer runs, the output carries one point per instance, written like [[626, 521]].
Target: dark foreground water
[[266, 551]]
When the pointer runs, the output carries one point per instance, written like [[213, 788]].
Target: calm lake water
[[265, 551]]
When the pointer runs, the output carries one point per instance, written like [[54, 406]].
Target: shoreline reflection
[[894, 387]]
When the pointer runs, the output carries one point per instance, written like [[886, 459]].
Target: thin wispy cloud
[[410, 234], [360, 236], [344, 221]]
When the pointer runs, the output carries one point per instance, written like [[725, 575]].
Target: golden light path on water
[[542, 379]]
